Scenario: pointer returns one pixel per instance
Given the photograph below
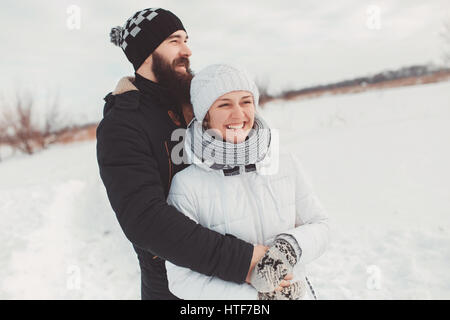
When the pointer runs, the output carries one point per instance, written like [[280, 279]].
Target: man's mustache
[[183, 61]]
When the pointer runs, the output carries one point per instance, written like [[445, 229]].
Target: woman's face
[[232, 116]]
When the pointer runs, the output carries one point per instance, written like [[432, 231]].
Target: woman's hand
[[285, 282], [295, 291]]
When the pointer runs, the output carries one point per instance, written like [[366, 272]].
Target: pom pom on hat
[[116, 35]]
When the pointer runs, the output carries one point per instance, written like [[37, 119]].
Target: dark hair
[[205, 123]]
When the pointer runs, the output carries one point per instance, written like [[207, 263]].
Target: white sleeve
[[312, 223], [187, 284]]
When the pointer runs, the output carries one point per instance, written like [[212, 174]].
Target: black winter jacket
[[133, 152]]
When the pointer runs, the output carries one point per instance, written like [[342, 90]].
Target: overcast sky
[[287, 43]]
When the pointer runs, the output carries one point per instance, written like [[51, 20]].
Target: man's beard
[[179, 84]]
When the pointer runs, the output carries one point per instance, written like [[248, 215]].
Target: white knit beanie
[[216, 80]]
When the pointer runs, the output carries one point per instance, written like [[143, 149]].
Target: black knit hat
[[144, 32]]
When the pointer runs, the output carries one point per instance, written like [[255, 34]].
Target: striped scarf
[[224, 155]]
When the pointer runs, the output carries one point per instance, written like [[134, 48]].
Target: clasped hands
[[272, 271]]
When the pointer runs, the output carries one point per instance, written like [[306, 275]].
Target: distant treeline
[[390, 75]]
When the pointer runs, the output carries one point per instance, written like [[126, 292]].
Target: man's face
[[171, 66], [173, 53]]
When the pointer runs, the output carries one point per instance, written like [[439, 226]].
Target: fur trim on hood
[[125, 84]]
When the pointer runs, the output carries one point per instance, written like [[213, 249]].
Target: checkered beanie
[[144, 32], [216, 80]]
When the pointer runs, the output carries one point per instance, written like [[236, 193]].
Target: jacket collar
[[154, 91]]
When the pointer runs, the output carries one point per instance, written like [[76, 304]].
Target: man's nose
[[185, 51]]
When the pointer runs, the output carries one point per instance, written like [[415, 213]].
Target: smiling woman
[[232, 116], [235, 187]]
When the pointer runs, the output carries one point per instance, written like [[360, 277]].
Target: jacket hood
[[125, 84], [130, 90]]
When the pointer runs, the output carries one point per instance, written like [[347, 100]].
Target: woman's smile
[[236, 126]]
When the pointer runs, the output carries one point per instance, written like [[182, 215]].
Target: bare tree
[[53, 122], [21, 129], [2, 135], [445, 35]]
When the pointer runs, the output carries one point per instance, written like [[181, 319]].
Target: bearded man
[[134, 149]]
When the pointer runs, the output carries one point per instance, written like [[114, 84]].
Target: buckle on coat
[[236, 170], [231, 172]]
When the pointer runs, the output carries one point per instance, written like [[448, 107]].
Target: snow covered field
[[379, 162]]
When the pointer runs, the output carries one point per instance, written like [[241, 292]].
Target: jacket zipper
[[311, 288], [170, 163]]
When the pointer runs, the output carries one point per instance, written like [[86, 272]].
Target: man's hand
[[258, 252], [273, 267]]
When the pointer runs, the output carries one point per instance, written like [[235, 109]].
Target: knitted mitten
[[278, 261], [296, 291]]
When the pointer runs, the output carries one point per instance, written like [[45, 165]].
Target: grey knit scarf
[[223, 155]]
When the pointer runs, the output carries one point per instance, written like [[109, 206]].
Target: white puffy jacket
[[253, 206]]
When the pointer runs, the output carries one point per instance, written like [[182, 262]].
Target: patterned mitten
[[278, 261], [296, 291]]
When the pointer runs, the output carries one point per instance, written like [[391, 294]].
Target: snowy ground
[[378, 161]]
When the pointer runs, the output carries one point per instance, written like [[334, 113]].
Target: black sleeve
[[131, 176]]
